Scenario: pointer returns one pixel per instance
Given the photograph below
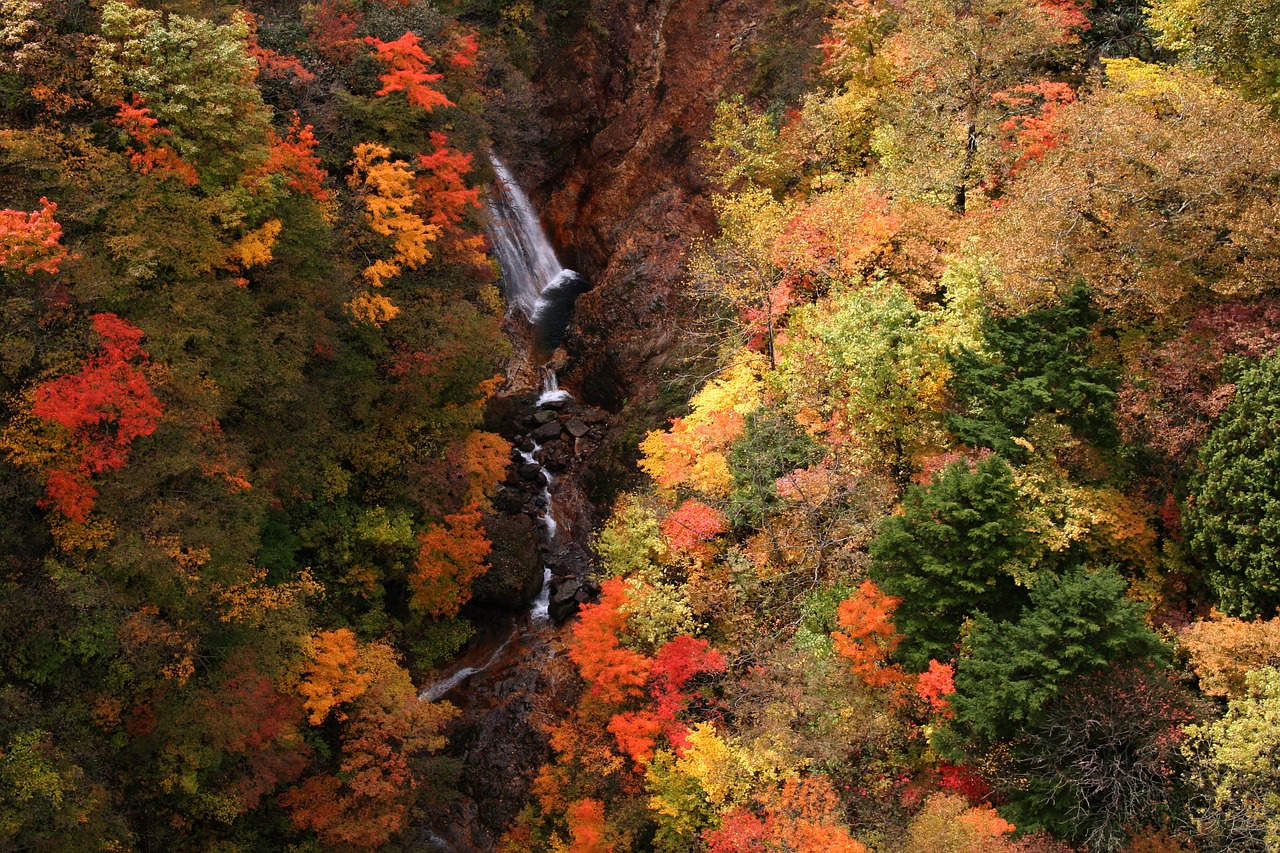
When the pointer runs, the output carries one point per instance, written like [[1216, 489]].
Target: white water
[[439, 688], [551, 390], [529, 264], [541, 609]]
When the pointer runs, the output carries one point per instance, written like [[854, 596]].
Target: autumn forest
[[917, 465]]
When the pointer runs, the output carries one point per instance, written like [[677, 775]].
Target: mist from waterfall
[[533, 279]]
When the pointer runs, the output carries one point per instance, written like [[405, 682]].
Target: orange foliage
[[450, 557], [587, 829], [29, 242], [613, 673], [468, 49], [1223, 649], [105, 408], [637, 733], [368, 801], [935, 684], [444, 197], [294, 157], [803, 817], [868, 637], [408, 74], [272, 64], [1035, 133], [333, 676], [145, 131], [691, 525]]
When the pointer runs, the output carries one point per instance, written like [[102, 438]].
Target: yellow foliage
[[253, 599], [716, 766], [691, 452], [372, 308], [254, 248], [388, 201]]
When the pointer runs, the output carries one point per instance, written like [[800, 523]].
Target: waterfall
[[533, 279], [541, 609]]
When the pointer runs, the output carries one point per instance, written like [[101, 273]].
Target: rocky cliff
[[627, 106]]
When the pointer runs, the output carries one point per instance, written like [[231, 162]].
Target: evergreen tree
[[1039, 362], [1073, 626], [951, 554], [1233, 514]]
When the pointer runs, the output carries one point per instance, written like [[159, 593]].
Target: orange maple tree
[[31, 242], [148, 153], [450, 557], [867, 636], [612, 671], [408, 72]]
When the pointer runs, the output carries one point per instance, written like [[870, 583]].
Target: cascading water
[[533, 279]]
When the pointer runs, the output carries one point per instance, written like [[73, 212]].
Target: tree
[[1031, 364], [1223, 651], [613, 673], [1233, 762], [1103, 758], [953, 553], [1233, 39], [450, 557], [1071, 627], [407, 72], [1161, 199], [873, 362], [31, 242], [940, 137], [102, 410], [1230, 515], [867, 636]]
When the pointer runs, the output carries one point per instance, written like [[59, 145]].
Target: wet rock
[[546, 432], [544, 416], [530, 471], [515, 568], [576, 428]]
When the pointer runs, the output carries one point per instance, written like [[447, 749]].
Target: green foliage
[[1233, 39], [1072, 626], [952, 554], [1032, 364], [772, 445], [1232, 514], [1234, 766]]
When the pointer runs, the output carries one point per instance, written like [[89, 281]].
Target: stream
[[499, 682]]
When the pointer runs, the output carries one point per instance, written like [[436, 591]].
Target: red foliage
[[334, 24], [935, 684], [150, 154], [676, 663], [105, 408], [272, 64], [29, 242], [249, 717], [450, 557], [587, 830], [740, 831], [868, 637], [1173, 393], [637, 733], [965, 780], [468, 49], [408, 72], [1035, 133], [295, 157], [442, 189], [613, 673], [691, 525]]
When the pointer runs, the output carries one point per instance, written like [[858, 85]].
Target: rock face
[[627, 111]]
